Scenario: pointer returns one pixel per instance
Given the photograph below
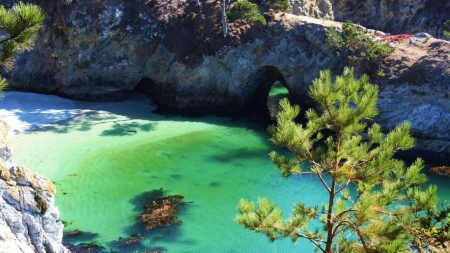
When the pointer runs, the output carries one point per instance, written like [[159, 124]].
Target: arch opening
[[144, 85], [271, 89], [277, 92]]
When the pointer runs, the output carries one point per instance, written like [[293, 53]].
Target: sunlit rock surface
[[397, 16], [28, 217]]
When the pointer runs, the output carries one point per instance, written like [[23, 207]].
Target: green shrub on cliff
[[278, 5], [446, 30], [246, 11], [354, 43], [18, 27]]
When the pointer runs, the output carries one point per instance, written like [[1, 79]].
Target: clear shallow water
[[107, 159]]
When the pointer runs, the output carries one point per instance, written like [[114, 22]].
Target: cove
[[108, 159]]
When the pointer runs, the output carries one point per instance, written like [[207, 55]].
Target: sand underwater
[[109, 159]]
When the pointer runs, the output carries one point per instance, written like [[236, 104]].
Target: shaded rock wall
[[28, 217], [175, 53]]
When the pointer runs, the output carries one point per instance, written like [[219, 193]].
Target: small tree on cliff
[[18, 27], [357, 46], [386, 207], [446, 30]]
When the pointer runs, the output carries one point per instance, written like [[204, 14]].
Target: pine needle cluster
[[18, 27], [375, 202]]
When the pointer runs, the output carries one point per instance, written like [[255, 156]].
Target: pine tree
[[18, 27], [389, 202]]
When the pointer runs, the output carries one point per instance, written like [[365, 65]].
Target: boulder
[[25, 225]]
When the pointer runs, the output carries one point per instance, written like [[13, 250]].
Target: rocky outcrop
[[416, 88], [28, 217], [175, 53], [322, 9], [393, 16]]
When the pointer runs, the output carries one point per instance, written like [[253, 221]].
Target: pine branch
[[358, 232]]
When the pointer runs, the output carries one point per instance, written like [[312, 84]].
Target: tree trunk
[[224, 19], [330, 224]]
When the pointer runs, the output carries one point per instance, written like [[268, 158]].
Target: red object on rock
[[398, 37]]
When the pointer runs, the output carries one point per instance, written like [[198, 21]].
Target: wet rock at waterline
[[28, 217]]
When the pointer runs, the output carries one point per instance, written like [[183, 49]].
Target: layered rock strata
[[28, 217]]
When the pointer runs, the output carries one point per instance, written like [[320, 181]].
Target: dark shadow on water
[[128, 129], [44, 113], [155, 236], [82, 241], [79, 120], [148, 240], [228, 156], [214, 184], [142, 199], [176, 176], [47, 113], [76, 235]]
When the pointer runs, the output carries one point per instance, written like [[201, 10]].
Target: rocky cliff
[[393, 16], [28, 217], [174, 51]]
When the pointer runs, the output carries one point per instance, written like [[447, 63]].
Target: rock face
[[175, 53], [416, 88], [28, 217], [393, 16], [322, 9]]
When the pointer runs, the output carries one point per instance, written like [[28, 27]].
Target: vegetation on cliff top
[[446, 30], [376, 203], [245, 10], [356, 45]]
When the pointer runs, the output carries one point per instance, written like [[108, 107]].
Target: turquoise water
[[108, 160]]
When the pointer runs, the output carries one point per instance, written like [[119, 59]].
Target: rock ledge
[[28, 217]]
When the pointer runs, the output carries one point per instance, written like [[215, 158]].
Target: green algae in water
[[213, 169], [105, 173]]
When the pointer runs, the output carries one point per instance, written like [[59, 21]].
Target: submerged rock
[[28, 217]]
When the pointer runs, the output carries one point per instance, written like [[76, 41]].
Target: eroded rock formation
[[28, 217], [175, 53]]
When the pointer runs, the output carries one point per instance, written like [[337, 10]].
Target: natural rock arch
[[264, 79]]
